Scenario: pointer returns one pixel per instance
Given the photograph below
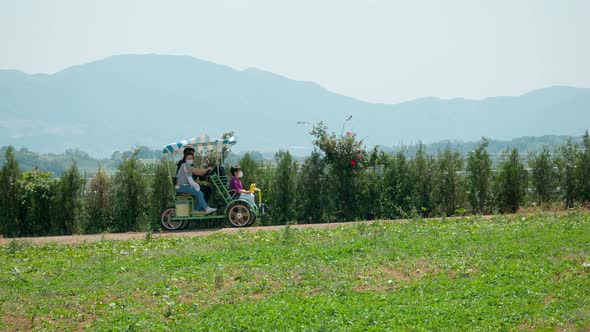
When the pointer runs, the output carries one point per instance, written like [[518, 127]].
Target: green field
[[502, 273]]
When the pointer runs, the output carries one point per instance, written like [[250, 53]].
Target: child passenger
[[235, 185]]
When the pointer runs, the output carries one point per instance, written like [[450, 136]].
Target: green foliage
[[37, 192], [449, 185], [400, 187], [339, 181], [511, 183], [544, 176], [212, 158], [372, 200], [161, 191], [346, 158], [584, 170], [495, 147], [69, 202], [568, 174], [424, 171], [264, 181], [99, 204], [58, 163], [282, 201], [471, 274], [9, 195], [312, 195], [130, 196], [479, 169], [250, 168]]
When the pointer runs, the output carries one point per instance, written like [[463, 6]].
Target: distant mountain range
[[152, 100]]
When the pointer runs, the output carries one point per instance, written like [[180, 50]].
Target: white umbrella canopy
[[202, 143]]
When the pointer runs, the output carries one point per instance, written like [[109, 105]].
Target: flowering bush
[[346, 158], [345, 153]]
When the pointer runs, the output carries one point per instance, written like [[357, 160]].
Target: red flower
[[353, 163], [358, 157], [348, 133]]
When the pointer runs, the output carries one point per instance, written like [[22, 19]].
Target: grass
[[503, 273]]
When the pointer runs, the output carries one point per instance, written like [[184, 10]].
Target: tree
[[423, 170], [161, 193], [567, 162], [250, 168], [511, 182], [37, 197], [399, 187], [479, 173], [98, 203], [583, 166], [372, 201], [9, 195], [448, 187], [283, 189], [345, 157], [543, 175], [130, 196], [311, 188], [69, 207]]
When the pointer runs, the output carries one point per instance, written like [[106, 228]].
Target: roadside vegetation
[[471, 273], [342, 180]]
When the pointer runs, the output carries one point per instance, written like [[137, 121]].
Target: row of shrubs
[[339, 181]]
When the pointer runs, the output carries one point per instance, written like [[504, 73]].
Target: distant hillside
[[523, 144], [151, 100]]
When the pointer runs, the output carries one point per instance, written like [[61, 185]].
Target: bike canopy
[[202, 143]]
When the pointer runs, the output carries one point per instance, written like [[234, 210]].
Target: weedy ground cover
[[502, 273]]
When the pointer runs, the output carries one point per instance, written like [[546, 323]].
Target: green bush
[[479, 175], [99, 204], [130, 196], [37, 196], [511, 183], [282, 200], [9, 195], [69, 202], [312, 195]]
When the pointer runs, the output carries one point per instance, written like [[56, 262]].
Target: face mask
[[240, 174], [189, 162]]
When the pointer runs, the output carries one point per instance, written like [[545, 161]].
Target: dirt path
[[87, 238]]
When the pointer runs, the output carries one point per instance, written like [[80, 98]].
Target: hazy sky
[[375, 50]]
